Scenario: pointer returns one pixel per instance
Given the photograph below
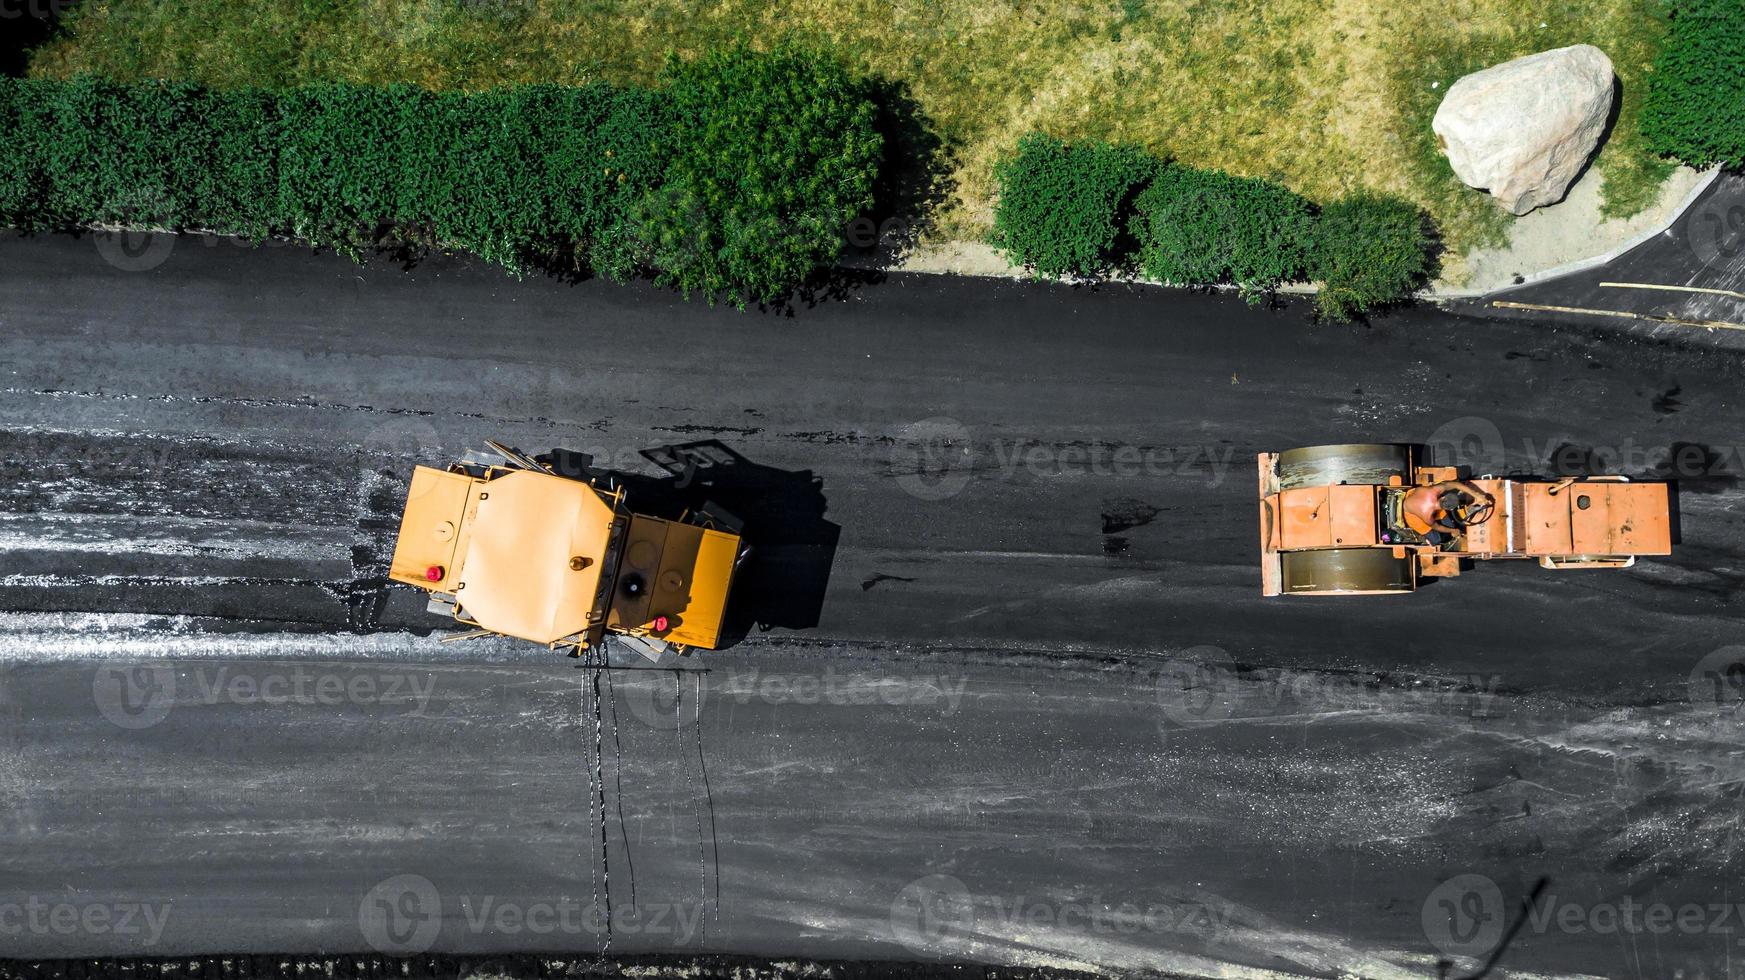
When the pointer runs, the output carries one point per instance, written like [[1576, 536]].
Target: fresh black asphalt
[[1006, 689]]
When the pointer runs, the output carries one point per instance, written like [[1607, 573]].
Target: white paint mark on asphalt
[[177, 537], [108, 637], [53, 581]]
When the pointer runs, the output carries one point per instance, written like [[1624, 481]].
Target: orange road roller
[[506, 545], [1372, 519]]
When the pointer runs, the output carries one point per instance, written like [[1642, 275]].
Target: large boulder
[[1524, 128]]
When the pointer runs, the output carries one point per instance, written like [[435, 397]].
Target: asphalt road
[[1693, 272], [1007, 690]]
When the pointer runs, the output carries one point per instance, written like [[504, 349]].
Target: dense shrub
[[772, 156], [1063, 207], [599, 151], [153, 154], [1206, 226], [23, 173], [235, 181], [1368, 251], [1695, 109], [539, 174], [344, 152], [740, 176]]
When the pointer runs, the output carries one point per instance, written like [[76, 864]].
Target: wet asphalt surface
[[1005, 690]]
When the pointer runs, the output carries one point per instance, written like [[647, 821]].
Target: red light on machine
[[434, 573], [660, 624]]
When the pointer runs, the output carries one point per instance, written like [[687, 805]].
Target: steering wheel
[[1480, 511]]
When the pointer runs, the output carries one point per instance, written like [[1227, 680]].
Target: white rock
[[1523, 129]]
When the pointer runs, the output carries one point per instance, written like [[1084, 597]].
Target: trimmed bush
[[1205, 226], [535, 173], [23, 172], [1695, 108], [1062, 209], [1063, 206], [147, 155], [1368, 251], [344, 151], [739, 177], [772, 156], [542, 174], [235, 185], [599, 151]]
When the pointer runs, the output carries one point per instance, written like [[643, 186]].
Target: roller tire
[[1369, 464], [1347, 571]]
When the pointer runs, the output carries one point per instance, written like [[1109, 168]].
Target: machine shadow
[[783, 579]]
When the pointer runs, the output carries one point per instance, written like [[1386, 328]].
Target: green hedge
[[773, 155], [1063, 208], [1061, 204], [93, 152], [518, 176], [1368, 251], [1206, 226], [761, 160], [1695, 106]]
